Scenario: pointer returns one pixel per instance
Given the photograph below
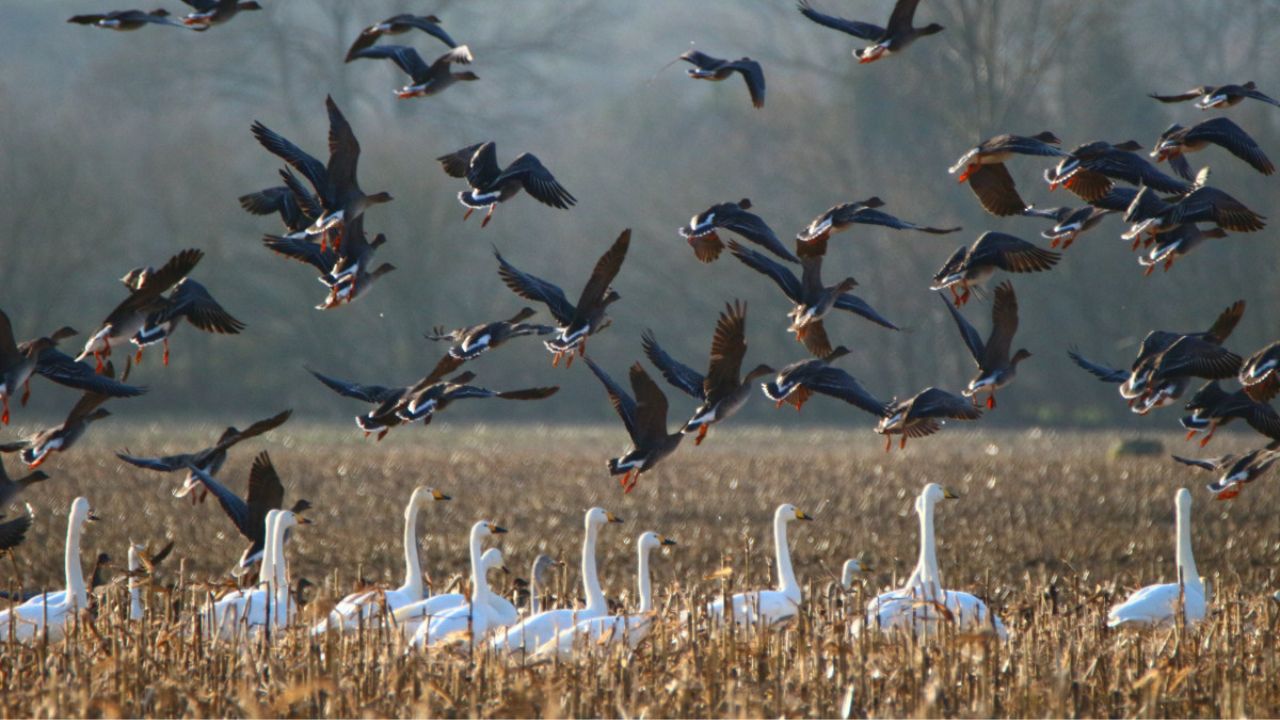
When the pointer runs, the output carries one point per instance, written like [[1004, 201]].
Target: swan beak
[[802, 515], [949, 494], [866, 566], [91, 517], [667, 541], [613, 518], [437, 495], [496, 529]]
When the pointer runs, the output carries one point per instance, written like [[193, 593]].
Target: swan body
[[533, 632], [922, 604], [135, 584], [410, 617], [475, 618], [51, 612], [1157, 605], [769, 607], [612, 630], [269, 603], [361, 607]]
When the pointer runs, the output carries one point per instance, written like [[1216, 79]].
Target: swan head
[[651, 540], [485, 528], [423, 494], [492, 558], [81, 511], [1182, 501], [541, 565], [933, 492], [787, 512], [853, 567], [288, 518], [599, 516]]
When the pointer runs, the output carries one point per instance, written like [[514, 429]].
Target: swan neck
[[535, 602], [280, 567], [412, 565], [74, 572], [786, 575], [266, 568], [479, 583], [927, 567], [1187, 572], [590, 581], [135, 586], [646, 585]]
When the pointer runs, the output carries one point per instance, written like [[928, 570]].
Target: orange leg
[[955, 296], [1150, 269], [1205, 440], [383, 433], [964, 297], [991, 401], [39, 462], [702, 434], [635, 478], [778, 405], [467, 214], [1191, 434], [888, 442], [1054, 243], [5, 417], [26, 391], [626, 477], [137, 356], [555, 360], [902, 444], [1070, 239], [967, 172], [1230, 492], [166, 352], [1168, 264], [488, 216]]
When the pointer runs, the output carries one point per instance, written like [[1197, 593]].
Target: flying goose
[[492, 184]]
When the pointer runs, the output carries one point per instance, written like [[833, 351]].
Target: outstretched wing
[[602, 276], [405, 58], [683, 377], [266, 493], [858, 306], [839, 384], [311, 168], [303, 250], [255, 429], [651, 407], [863, 30], [1102, 372], [754, 76], [754, 228], [531, 287], [166, 463], [968, 332], [193, 301], [64, 370], [457, 163], [235, 508], [785, 279], [538, 181], [367, 393], [622, 402]]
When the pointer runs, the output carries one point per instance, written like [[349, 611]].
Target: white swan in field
[[769, 607], [613, 629], [52, 611], [222, 613], [537, 571], [361, 606], [923, 602], [1158, 604], [269, 602], [475, 618], [531, 633], [135, 581], [410, 617], [851, 569]]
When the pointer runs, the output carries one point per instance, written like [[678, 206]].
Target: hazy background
[[119, 149]]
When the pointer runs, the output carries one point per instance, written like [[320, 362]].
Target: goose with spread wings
[[467, 343], [864, 212], [124, 20], [721, 393], [297, 206], [336, 184], [973, 265], [189, 301], [645, 418], [344, 269], [900, 32], [210, 459], [249, 513], [207, 13], [1211, 407], [427, 79], [1149, 215], [1091, 169], [734, 217], [797, 382], [996, 368], [983, 167], [812, 299], [34, 450], [398, 25], [1177, 141], [492, 184], [923, 414], [706, 67], [588, 317], [1209, 97], [1235, 471]]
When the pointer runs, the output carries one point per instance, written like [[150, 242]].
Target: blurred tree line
[[121, 148]]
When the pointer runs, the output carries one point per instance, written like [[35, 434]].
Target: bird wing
[[651, 406], [530, 287], [728, 348], [904, 12], [13, 532], [457, 163], [968, 332], [1212, 464], [1256, 95], [1263, 418], [785, 279], [405, 58], [1004, 324], [157, 283], [863, 30], [430, 28], [1102, 372], [683, 377], [166, 463], [193, 301], [871, 216], [816, 340], [460, 55], [64, 370], [306, 251], [1011, 253], [622, 402], [602, 276], [235, 508], [482, 166], [1191, 94], [753, 74], [753, 228], [344, 149], [266, 493], [937, 403], [538, 181], [996, 192], [8, 346], [858, 306], [311, 168], [366, 393], [255, 429], [839, 384], [1197, 358]]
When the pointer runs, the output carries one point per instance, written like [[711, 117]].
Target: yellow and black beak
[[666, 541], [92, 517], [950, 494], [613, 518], [437, 495], [496, 529], [802, 515]]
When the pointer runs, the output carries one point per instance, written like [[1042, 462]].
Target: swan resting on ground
[[52, 612], [769, 607], [475, 619], [1156, 605]]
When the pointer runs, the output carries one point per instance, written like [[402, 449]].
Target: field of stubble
[[1048, 529]]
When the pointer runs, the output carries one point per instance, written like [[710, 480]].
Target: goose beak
[[613, 518], [802, 515], [496, 529], [949, 494], [437, 495], [92, 517], [305, 520], [667, 541]]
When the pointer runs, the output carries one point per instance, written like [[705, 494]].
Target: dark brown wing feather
[[651, 407], [602, 275], [728, 347], [1004, 323], [995, 190]]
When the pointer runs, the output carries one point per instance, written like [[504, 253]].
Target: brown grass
[[1048, 529]]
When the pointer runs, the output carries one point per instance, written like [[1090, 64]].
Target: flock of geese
[[323, 209]]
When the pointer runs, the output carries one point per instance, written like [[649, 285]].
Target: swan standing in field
[[478, 616], [348, 614], [612, 629], [537, 572], [262, 605], [52, 611], [232, 605], [534, 631], [923, 602], [769, 607], [1156, 605], [410, 617]]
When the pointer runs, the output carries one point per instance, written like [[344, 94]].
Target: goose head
[[81, 511], [541, 565]]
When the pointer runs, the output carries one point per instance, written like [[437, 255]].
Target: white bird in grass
[[51, 612], [410, 617], [923, 602], [362, 606], [851, 569], [475, 619], [613, 629], [770, 607], [269, 602], [533, 632], [1156, 605], [537, 571]]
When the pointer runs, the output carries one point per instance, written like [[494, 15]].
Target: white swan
[[851, 569], [136, 581], [221, 614], [52, 611], [537, 571], [923, 602], [411, 617], [269, 602], [1158, 604], [613, 629], [537, 629], [769, 607], [361, 606], [475, 618]]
